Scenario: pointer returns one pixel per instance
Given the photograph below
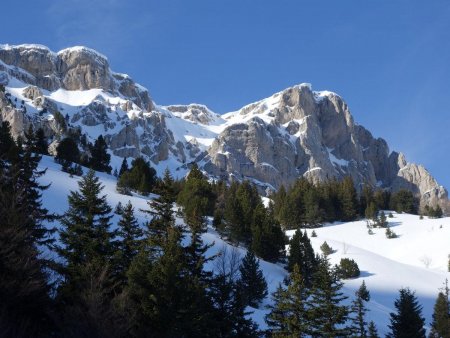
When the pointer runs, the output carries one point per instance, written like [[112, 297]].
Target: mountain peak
[[296, 132]]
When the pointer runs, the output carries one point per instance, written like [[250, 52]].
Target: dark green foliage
[[130, 239], [141, 177], [267, 238], [25, 306], [363, 292], [197, 196], [229, 306], [327, 315], [41, 144], [404, 201], [381, 220], [348, 200], [390, 234], [60, 120], [407, 322], [123, 166], [7, 145], [359, 310], [382, 199], [67, 152], [99, 160], [433, 212], [87, 241], [326, 249], [372, 331], [308, 205], [440, 326], [348, 268], [252, 283], [241, 201], [288, 315], [302, 254], [371, 211]]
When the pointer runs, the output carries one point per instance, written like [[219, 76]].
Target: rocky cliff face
[[296, 132]]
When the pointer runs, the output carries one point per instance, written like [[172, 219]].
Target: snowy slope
[[386, 264]]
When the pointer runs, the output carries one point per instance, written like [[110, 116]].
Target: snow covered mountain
[[296, 132], [416, 259]]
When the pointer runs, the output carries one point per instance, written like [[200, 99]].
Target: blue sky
[[389, 59]]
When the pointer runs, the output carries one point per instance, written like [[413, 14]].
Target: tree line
[[156, 279]]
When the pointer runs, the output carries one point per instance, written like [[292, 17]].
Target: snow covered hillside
[[416, 259]]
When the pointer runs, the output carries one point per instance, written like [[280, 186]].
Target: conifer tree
[[288, 315], [302, 254], [26, 174], [6, 141], [86, 237], [359, 310], [252, 283], [41, 144], [407, 322], [326, 313], [229, 307], [267, 238], [197, 195], [168, 295], [67, 152], [25, 306], [440, 326], [348, 199], [123, 166], [131, 237], [372, 331], [100, 158]]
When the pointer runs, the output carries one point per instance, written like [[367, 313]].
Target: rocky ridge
[[296, 132]]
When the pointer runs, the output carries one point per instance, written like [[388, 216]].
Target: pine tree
[[197, 195], [27, 175], [67, 152], [326, 313], [440, 326], [41, 142], [131, 237], [141, 177], [6, 141], [372, 331], [295, 256], [359, 310], [252, 283], [123, 166], [267, 238], [288, 315], [100, 158], [407, 322], [166, 293], [302, 254], [87, 241], [25, 306], [229, 307], [348, 199]]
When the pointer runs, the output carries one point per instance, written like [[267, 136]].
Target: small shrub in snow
[[313, 234], [390, 215], [370, 232], [390, 234], [421, 217], [348, 268], [326, 249]]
